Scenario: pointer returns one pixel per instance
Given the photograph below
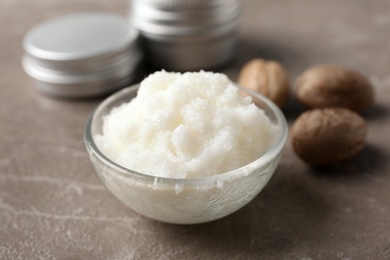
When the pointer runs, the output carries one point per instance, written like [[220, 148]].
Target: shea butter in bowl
[[185, 148]]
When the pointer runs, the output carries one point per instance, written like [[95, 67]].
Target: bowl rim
[[269, 156]]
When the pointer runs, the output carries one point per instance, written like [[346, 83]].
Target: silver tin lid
[[152, 19], [187, 34], [79, 36], [184, 4], [82, 54]]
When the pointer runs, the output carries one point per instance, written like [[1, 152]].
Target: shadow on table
[[371, 160], [293, 109], [376, 111]]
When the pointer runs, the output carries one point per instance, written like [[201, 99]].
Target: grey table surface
[[53, 206]]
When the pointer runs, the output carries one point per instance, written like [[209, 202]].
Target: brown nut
[[333, 86], [327, 136], [266, 77]]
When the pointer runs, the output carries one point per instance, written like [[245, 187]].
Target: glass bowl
[[185, 201]]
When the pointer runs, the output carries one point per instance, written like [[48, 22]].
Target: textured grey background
[[53, 206]]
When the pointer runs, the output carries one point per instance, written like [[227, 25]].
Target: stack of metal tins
[[82, 55], [186, 35]]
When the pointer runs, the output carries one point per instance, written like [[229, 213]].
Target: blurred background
[[53, 206]]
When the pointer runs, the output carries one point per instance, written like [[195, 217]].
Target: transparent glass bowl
[[184, 201]]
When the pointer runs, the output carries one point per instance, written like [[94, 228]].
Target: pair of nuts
[[332, 131]]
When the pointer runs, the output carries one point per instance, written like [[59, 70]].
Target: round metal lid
[[192, 16], [183, 3], [79, 36], [152, 19]]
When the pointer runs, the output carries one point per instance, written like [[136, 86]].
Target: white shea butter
[[186, 126]]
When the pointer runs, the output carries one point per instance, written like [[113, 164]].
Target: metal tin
[[184, 3], [80, 55], [187, 34], [196, 55], [187, 17]]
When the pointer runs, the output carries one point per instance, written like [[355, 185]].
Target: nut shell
[[333, 86], [327, 136], [266, 77]]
